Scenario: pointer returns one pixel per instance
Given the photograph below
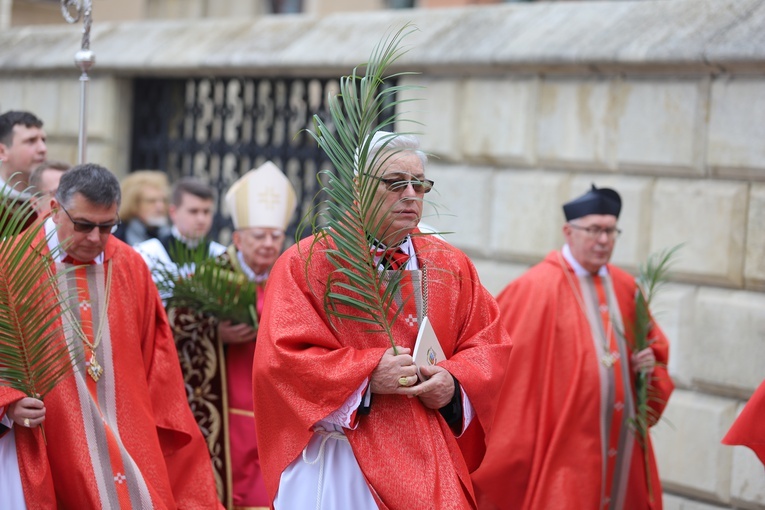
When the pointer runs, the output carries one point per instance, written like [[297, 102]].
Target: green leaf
[[363, 106], [651, 278], [200, 282], [34, 354]]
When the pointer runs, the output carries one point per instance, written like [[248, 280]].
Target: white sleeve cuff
[[468, 413], [343, 416]]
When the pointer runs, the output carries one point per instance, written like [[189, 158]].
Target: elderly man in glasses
[[119, 431], [217, 352], [343, 420], [563, 436]]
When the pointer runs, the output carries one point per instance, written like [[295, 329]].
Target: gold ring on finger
[[26, 423], [403, 381]]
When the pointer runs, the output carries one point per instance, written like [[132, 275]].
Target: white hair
[[383, 140], [387, 141]]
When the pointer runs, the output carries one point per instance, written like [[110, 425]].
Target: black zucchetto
[[595, 201]]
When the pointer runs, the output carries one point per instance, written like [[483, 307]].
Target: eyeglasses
[[86, 227], [398, 185], [595, 232]]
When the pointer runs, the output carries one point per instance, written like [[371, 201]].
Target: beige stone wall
[[55, 98], [525, 106], [686, 155]]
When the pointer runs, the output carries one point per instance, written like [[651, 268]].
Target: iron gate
[[219, 128]]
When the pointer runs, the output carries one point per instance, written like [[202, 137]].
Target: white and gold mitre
[[262, 197]]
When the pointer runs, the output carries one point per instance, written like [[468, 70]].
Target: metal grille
[[219, 128]]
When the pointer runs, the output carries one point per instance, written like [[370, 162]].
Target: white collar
[[52, 235], [578, 269], [247, 270], [407, 246], [190, 243], [12, 192]]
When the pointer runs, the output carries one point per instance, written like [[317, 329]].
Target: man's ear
[[3, 152], [566, 231], [54, 208]]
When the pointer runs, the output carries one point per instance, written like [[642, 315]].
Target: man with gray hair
[[344, 419], [119, 434]]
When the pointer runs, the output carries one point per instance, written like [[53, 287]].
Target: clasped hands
[[238, 333], [27, 412], [397, 374]]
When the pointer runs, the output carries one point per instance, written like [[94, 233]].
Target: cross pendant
[[94, 369]]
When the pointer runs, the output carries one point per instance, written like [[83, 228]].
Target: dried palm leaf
[[34, 354]]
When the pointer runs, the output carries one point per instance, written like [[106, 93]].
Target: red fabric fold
[[544, 446], [749, 428], [156, 425], [306, 367]]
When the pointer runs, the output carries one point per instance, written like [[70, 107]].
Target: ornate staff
[[84, 59]]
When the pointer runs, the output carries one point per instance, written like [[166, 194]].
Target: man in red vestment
[[748, 429], [340, 419], [563, 436], [22, 148], [119, 432]]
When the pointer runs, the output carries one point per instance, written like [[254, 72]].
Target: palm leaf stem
[[651, 278]]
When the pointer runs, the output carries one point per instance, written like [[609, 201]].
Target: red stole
[[545, 449]]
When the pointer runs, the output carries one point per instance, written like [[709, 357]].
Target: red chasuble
[[749, 428], [306, 368], [128, 440], [218, 381], [561, 438], [247, 480]]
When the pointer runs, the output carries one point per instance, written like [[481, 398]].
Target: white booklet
[[427, 349]]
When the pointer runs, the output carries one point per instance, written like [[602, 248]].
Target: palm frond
[[34, 353], [651, 278], [200, 282], [341, 224]]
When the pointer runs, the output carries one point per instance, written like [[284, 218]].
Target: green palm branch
[[342, 223], [651, 278], [204, 284], [34, 353]]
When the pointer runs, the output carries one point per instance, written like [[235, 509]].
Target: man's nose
[[94, 235], [603, 236], [409, 189]]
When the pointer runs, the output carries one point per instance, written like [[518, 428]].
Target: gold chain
[[95, 370]]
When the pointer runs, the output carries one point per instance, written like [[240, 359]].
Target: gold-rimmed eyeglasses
[[398, 185], [595, 231]]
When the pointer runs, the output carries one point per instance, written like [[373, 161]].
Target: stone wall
[[525, 106]]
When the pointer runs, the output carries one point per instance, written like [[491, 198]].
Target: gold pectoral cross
[[94, 369], [609, 359]]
